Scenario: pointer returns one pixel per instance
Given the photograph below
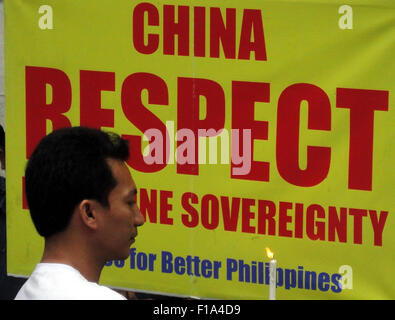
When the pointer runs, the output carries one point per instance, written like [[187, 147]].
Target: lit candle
[[272, 274]]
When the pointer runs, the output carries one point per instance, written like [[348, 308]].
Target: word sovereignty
[[259, 216]]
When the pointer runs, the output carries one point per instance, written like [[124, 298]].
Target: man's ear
[[87, 210]]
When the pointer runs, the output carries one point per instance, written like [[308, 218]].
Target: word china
[[222, 30]]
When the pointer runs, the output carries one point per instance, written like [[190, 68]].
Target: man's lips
[[133, 238]]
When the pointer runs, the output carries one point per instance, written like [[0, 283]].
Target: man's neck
[[78, 256]]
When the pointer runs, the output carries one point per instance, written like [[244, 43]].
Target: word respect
[[361, 103]]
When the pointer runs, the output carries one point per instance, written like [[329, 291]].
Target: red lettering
[[141, 117], [92, 83], [252, 24], [222, 31], [266, 213], [362, 105], [165, 207], [244, 96], [199, 32], [378, 225], [172, 28], [231, 215], [358, 215], [287, 148], [247, 215], [191, 219], [210, 211], [219, 32], [284, 219], [38, 111], [299, 220], [315, 229], [337, 224], [148, 205], [138, 28], [189, 91]]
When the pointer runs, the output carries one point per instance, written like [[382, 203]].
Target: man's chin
[[122, 255]]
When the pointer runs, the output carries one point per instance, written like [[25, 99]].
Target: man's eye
[[132, 201]]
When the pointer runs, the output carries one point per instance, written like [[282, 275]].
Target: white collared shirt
[[56, 281]]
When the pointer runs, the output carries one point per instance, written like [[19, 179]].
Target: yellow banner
[[252, 124]]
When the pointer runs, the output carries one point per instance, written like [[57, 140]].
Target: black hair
[[68, 166]]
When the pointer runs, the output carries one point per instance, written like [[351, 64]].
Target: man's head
[[81, 171]]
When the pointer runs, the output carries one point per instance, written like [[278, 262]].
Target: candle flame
[[269, 253]]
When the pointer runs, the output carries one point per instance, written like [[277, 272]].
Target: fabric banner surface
[[252, 124]]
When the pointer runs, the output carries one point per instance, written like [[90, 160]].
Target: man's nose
[[139, 218]]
